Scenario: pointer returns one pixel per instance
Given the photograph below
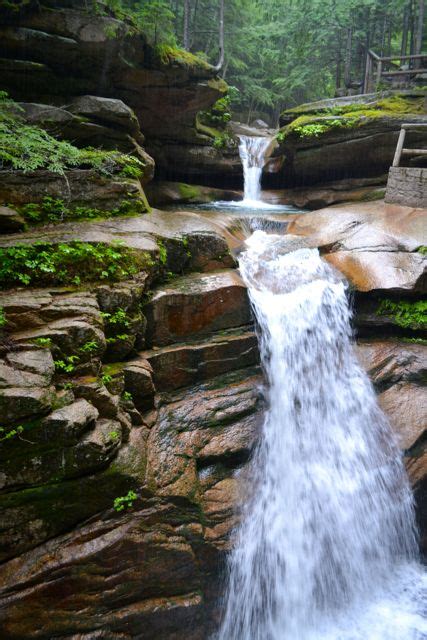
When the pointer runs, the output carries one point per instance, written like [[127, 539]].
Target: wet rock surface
[[375, 245], [166, 426]]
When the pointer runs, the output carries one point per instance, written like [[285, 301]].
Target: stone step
[[181, 365], [196, 306]]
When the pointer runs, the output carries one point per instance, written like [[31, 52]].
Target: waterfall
[[327, 548], [252, 154]]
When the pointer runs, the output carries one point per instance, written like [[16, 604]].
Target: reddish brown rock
[[373, 244], [195, 306], [180, 366]]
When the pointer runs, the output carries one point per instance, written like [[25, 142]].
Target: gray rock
[[68, 423], [99, 396], [139, 383], [18, 404], [10, 221]]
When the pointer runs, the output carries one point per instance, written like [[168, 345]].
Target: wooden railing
[[400, 151], [378, 67]]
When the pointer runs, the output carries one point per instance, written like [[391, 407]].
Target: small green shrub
[[163, 252], [67, 365], [106, 378], [12, 433], [43, 342], [405, 314], [119, 317], [45, 263], [219, 115], [125, 502], [422, 250], [2, 317], [223, 141]]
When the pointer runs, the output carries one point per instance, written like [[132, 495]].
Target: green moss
[[219, 115], [415, 340], [408, 315], [188, 191], [169, 55], [377, 194], [54, 210], [422, 250], [312, 124], [2, 317], [45, 263]]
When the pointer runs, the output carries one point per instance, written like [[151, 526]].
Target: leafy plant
[[46, 263], [8, 435], [126, 396], [89, 347], [2, 317], [125, 502], [119, 317], [67, 365], [163, 253], [106, 378], [43, 342], [405, 314], [28, 148]]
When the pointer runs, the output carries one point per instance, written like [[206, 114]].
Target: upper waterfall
[[252, 152], [327, 546]]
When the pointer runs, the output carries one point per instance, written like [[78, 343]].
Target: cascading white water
[[327, 548], [252, 154]]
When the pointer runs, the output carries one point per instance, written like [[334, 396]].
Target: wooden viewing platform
[[379, 67]]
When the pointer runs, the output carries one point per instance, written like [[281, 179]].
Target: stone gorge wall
[[135, 406], [52, 53]]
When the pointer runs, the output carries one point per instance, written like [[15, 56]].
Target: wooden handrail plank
[[414, 152], [404, 72]]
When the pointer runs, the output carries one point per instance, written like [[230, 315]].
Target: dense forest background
[[278, 53]]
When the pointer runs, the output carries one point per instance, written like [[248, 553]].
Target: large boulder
[[330, 140], [375, 245]]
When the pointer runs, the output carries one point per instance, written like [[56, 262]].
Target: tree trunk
[[348, 48], [186, 35], [220, 64], [419, 32], [405, 29], [193, 22]]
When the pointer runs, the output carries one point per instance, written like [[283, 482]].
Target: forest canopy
[[279, 53]]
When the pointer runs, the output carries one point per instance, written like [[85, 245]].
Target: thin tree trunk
[[220, 63], [186, 35], [419, 32], [193, 22], [347, 67], [405, 29], [338, 61]]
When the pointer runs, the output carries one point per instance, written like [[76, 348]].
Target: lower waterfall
[[327, 546]]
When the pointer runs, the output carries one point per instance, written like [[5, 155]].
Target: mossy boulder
[[337, 139]]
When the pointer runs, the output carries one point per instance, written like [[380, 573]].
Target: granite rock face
[[120, 492]]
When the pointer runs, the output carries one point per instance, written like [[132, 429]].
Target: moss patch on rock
[[313, 124], [405, 314], [45, 263], [54, 210]]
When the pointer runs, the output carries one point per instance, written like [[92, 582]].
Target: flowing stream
[[327, 547], [252, 152]]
